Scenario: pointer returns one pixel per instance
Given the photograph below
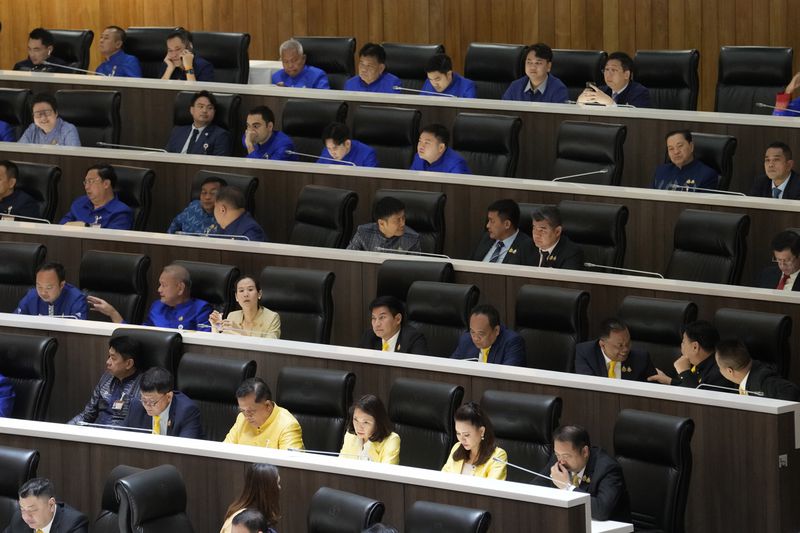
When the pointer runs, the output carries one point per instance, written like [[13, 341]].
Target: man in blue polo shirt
[[100, 207], [230, 212], [442, 79], [372, 76], [434, 155], [683, 170], [295, 72], [53, 296], [261, 138], [117, 63], [340, 149], [538, 85]]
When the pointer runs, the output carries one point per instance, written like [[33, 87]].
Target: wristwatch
[[189, 71]]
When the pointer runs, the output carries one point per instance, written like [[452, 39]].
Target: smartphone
[[589, 85]]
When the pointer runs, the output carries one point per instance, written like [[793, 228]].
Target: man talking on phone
[[181, 63]]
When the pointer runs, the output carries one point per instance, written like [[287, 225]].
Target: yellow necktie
[[485, 354], [742, 391], [157, 425], [694, 369], [576, 480], [385, 347], [39, 531], [611, 372]]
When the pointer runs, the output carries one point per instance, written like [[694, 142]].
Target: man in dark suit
[[553, 248], [780, 180], [389, 332], [753, 377], [503, 242], [38, 510], [577, 465], [163, 410], [782, 273], [620, 89], [202, 136], [489, 341], [612, 356]]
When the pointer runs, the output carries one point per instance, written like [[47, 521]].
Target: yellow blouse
[[490, 469], [267, 324], [385, 451]]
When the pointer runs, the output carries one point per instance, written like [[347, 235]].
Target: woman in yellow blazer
[[254, 319], [369, 436], [475, 452]]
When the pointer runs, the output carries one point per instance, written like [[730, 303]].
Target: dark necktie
[[776, 192], [497, 250], [782, 282], [192, 139]]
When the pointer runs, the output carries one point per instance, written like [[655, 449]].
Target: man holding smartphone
[[181, 63]]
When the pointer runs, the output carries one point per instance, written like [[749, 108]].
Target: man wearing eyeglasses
[[782, 274], [620, 89], [261, 422], [100, 207], [163, 410], [48, 127], [53, 296]]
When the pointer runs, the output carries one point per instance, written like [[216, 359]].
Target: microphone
[[109, 426], [767, 106], [561, 178], [626, 270], [324, 452], [6, 216], [130, 147], [409, 252], [753, 392], [218, 235], [692, 188], [554, 481], [420, 91], [220, 329], [474, 359], [76, 69], [312, 156]]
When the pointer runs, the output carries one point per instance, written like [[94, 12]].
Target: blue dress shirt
[[451, 162], [244, 225], [7, 133], [193, 219], [384, 84], [121, 65], [188, 315], [669, 175], [308, 78], [460, 86], [360, 155], [64, 134], [6, 396], [71, 301], [275, 148], [113, 215], [555, 92]]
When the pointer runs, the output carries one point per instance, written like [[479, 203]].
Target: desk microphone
[[292, 152], [626, 270], [76, 69], [767, 106], [5, 216], [109, 426], [220, 329], [561, 178], [730, 389], [324, 452], [554, 481], [217, 235], [410, 252], [692, 188], [420, 91], [130, 147]]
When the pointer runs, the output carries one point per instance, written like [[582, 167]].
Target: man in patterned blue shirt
[[372, 76], [388, 231], [53, 296], [295, 72], [198, 217]]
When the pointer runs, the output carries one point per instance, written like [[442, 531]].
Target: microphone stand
[[312, 156], [561, 178], [420, 91], [130, 147], [76, 69]]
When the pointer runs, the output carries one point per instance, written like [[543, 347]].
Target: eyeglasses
[[785, 262], [250, 411], [91, 181], [42, 114], [151, 403]]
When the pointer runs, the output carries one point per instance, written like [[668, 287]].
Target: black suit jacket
[[213, 140], [762, 186], [589, 361], [521, 252], [410, 340], [771, 276], [566, 254], [635, 94], [763, 378], [184, 417], [706, 372], [603, 481], [67, 520]]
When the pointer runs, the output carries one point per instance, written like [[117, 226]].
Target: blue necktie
[[193, 139], [776, 192], [496, 255]]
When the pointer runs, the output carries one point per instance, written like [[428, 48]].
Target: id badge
[[117, 405]]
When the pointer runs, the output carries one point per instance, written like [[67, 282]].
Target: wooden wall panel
[[606, 24]]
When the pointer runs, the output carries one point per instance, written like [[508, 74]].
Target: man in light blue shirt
[[48, 127], [372, 76], [117, 63], [295, 72]]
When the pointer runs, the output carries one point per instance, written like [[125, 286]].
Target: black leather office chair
[[324, 217], [710, 246], [134, 188], [336, 511], [319, 399], [670, 76], [108, 519], [305, 120], [391, 131], [213, 283], [524, 425], [149, 45], [425, 517], [119, 278], [424, 214], [94, 113], [576, 67], [656, 326], [766, 335], [211, 382], [395, 276], [408, 61], [304, 300], [751, 74], [155, 501], [655, 453], [41, 182], [551, 320], [15, 108], [422, 413], [716, 151], [246, 184], [159, 348], [489, 143], [597, 228], [228, 52], [17, 466], [18, 271], [27, 361], [441, 312], [73, 46], [588, 147], [493, 67], [334, 55], [227, 115]]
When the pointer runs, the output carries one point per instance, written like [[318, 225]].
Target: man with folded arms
[[100, 207], [53, 296], [503, 242], [163, 410], [489, 341], [612, 356], [261, 422]]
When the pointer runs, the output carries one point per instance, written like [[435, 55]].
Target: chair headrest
[[710, 232], [296, 289], [576, 67], [666, 68], [426, 404], [110, 502], [331, 54], [330, 509], [395, 276], [551, 308], [593, 223], [322, 206], [589, 141], [755, 65], [159, 348], [657, 320], [18, 465], [315, 390], [157, 492], [210, 281], [20, 356], [386, 126], [446, 304], [20, 261], [308, 118], [490, 61], [485, 133], [652, 437], [114, 271], [520, 416], [409, 60], [211, 378], [430, 516]]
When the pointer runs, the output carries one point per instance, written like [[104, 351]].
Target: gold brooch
[[551, 258], [512, 251], [586, 479], [627, 369]]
